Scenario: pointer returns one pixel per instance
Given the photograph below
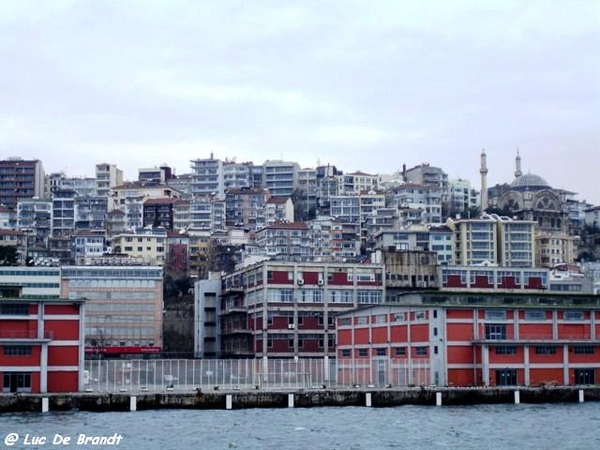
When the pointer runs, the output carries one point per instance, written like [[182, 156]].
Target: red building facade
[[283, 309], [41, 345], [475, 340]]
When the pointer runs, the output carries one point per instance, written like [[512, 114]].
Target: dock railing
[[243, 374]]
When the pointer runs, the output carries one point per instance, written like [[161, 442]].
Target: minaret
[[518, 172], [483, 171]]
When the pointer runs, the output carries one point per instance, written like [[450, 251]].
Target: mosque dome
[[529, 181]]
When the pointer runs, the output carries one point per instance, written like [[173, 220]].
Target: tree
[[9, 255]]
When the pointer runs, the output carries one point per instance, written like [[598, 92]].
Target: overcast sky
[[364, 85]]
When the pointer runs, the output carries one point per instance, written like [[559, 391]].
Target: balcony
[[24, 335]]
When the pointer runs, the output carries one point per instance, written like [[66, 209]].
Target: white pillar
[[368, 399], [290, 400], [133, 403], [44, 369], [438, 399], [581, 395], [326, 367], [517, 397], [45, 405], [229, 401]]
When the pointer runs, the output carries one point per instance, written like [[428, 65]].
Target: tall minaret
[[518, 172], [483, 171]]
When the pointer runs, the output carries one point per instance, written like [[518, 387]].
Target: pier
[[303, 398]]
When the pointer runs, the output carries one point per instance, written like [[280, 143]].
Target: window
[[573, 315], [400, 351], [361, 321], [17, 350], [495, 331], [9, 309], [381, 351], [505, 350], [345, 321], [346, 352], [420, 315], [494, 314], [545, 350], [421, 351], [583, 349], [363, 352], [380, 318], [399, 317], [535, 315]]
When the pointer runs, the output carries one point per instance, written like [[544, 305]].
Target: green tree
[[9, 255]]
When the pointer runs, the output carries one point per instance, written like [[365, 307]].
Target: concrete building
[[129, 198], [63, 212], [284, 310], [554, 248], [355, 183], [278, 209], [289, 241], [20, 179], [34, 218], [159, 213], [124, 307], [90, 213], [245, 207], [87, 244], [280, 177], [207, 339], [426, 198], [147, 245], [207, 177], [494, 240], [107, 177], [472, 339]]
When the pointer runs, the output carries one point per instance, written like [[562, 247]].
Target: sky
[[362, 85]]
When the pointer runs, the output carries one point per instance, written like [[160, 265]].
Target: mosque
[[530, 197]]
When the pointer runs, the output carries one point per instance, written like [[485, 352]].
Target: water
[[539, 427]]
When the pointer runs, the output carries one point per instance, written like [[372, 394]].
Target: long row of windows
[[148, 284], [544, 349], [30, 273], [103, 295], [112, 273], [383, 351], [17, 350]]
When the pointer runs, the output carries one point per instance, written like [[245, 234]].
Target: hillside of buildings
[[138, 249]]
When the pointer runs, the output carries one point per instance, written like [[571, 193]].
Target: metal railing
[[24, 334], [244, 374]]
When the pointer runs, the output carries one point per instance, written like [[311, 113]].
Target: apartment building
[[148, 245], [280, 177], [20, 179], [495, 240]]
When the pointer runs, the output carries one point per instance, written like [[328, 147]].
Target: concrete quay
[[138, 401]]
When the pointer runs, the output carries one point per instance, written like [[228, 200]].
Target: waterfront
[[525, 426]]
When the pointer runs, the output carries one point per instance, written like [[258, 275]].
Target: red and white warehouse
[[41, 345], [472, 339]]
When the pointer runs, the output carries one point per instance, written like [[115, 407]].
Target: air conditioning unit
[[300, 281], [291, 326]]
